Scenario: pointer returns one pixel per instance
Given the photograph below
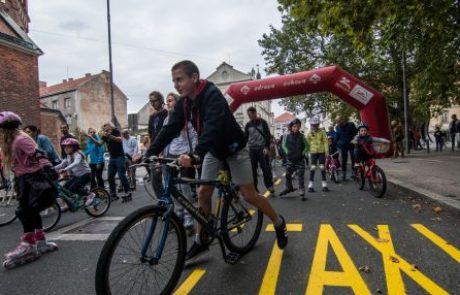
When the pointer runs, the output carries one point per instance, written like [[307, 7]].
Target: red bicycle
[[375, 175]]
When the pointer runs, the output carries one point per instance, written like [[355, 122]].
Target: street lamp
[[112, 100]]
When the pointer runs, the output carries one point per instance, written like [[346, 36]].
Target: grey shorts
[[239, 163]]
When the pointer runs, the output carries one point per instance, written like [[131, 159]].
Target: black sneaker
[[311, 190], [325, 189], [114, 197], [195, 250], [126, 197], [281, 234], [286, 191]]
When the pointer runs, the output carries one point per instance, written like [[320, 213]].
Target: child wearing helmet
[[318, 150], [78, 169], [363, 144], [295, 146], [34, 190]]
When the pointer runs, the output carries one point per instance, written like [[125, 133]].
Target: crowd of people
[[187, 126]]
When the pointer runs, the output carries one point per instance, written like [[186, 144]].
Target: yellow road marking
[[394, 263], [290, 227], [272, 272], [278, 181], [319, 277], [190, 282], [274, 264], [440, 242], [251, 212]]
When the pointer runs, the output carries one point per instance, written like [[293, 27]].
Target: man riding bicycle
[[220, 139]]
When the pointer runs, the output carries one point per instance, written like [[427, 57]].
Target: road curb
[[426, 193]]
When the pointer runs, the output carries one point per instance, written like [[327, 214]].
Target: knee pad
[[312, 167], [321, 167]]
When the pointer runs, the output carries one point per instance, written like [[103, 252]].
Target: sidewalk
[[435, 175]]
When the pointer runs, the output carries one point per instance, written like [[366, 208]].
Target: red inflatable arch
[[368, 101]]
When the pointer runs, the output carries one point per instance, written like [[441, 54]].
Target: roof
[[65, 86], [284, 117], [22, 42]]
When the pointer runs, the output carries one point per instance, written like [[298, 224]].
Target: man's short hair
[[187, 66], [157, 95], [252, 110], [32, 128]]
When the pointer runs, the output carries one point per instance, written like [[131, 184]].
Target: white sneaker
[[89, 199]]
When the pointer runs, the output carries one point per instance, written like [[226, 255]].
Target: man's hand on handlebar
[[185, 161]]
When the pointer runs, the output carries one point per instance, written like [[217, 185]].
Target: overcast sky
[[148, 37]]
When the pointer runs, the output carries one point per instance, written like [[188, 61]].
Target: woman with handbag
[[35, 191]]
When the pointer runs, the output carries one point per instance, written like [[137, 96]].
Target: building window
[[67, 103], [54, 104], [68, 118], [444, 116], [224, 75]]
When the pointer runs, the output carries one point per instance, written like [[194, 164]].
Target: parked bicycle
[[146, 251], [332, 166]]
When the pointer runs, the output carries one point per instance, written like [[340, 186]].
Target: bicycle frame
[[209, 224], [368, 173], [66, 194]]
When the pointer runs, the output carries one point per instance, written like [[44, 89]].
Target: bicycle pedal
[[232, 258]]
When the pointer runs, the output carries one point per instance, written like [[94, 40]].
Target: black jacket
[[155, 127], [218, 131]]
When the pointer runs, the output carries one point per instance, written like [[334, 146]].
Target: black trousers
[[29, 216], [348, 148], [77, 184], [96, 175], [258, 158]]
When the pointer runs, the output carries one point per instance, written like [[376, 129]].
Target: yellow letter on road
[[393, 263], [320, 277]]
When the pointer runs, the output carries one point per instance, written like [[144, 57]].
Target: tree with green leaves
[[371, 39]]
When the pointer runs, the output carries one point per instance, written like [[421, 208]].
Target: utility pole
[[112, 100]]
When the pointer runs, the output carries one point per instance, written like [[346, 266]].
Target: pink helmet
[[70, 142], [9, 120]]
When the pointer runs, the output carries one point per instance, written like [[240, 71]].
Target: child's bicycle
[[374, 174], [332, 166], [146, 251], [98, 207]]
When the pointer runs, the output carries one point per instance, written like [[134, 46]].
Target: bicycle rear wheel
[[51, 216], [8, 205], [241, 223], [121, 269], [378, 185], [359, 177], [100, 204]]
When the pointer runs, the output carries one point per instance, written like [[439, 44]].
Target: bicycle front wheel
[[359, 177], [8, 205], [51, 216], [241, 223], [100, 204], [122, 269], [378, 184]]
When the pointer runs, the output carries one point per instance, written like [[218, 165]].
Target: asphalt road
[[341, 242]]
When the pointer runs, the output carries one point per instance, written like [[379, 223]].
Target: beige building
[[444, 118], [225, 75], [85, 102]]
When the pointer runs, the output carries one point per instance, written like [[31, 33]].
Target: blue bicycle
[[145, 253]]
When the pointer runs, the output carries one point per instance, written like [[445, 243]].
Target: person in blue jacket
[[44, 143], [95, 151]]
